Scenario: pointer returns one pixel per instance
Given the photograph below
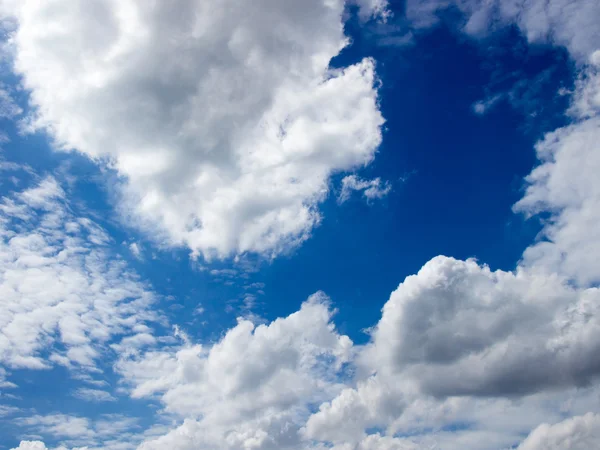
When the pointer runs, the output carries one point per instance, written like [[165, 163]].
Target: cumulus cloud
[[489, 333], [459, 344], [481, 107], [223, 118], [65, 296], [566, 185], [58, 425], [252, 389], [577, 433], [371, 189], [37, 445]]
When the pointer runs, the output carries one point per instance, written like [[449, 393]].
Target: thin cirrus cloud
[[206, 161]]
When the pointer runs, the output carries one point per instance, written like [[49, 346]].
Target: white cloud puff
[[253, 388], [223, 117]]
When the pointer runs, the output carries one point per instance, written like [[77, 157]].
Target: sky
[[283, 225]]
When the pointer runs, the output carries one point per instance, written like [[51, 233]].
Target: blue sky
[[320, 225]]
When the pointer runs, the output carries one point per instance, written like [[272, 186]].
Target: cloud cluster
[[65, 296], [223, 118], [251, 389], [566, 185]]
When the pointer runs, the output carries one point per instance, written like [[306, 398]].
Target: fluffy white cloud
[[455, 344], [489, 333], [59, 425], [252, 389], [65, 296], [567, 185], [371, 189], [223, 117], [577, 433]]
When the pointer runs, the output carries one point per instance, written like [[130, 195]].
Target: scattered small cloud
[[481, 107], [93, 395], [371, 189], [136, 250]]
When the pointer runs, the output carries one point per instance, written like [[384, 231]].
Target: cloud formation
[[577, 433], [251, 389], [223, 119], [489, 333], [65, 296], [371, 189]]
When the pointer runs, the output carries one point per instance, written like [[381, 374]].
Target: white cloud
[[60, 284], [566, 184], [8, 410], [369, 9], [576, 433], [371, 189], [136, 250], [491, 333], [93, 395], [223, 117], [58, 425], [481, 107], [253, 388]]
